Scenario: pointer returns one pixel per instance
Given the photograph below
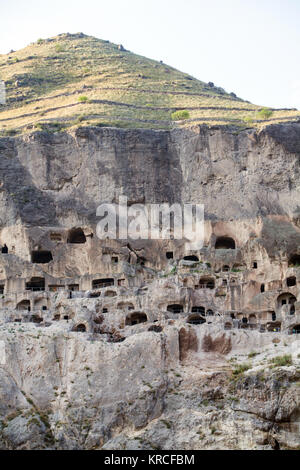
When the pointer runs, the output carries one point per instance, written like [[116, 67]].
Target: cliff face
[[62, 391], [132, 344], [52, 178]]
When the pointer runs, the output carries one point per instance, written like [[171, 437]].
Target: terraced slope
[[76, 79]]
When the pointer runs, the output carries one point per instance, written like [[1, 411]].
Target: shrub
[[281, 361], [80, 118], [83, 99], [166, 423], [248, 120], [240, 369], [180, 115], [265, 113], [252, 354], [59, 48]]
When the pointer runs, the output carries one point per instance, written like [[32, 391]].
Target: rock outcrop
[[139, 344]]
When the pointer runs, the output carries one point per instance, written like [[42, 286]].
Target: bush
[[83, 99], [281, 361], [265, 113], [248, 120], [240, 369], [59, 48], [252, 354], [80, 119], [180, 115]]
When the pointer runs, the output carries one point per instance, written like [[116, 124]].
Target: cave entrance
[[55, 288], [286, 298], [200, 310], [100, 283], [73, 287], [4, 249], [175, 308], [195, 320], [36, 284], [294, 261], [292, 310], [77, 236], [41, 257], [81, 328], [291, 281], [225, 243], [24, 305], [191, 258], [207, 283], [136, 319], [35, 319], [274, 327]]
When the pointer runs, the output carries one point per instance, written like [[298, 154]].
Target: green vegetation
[[82, 99], [166, 423], [281, 361], [74, 78], [240, 369], [252, 354], [59, 48], [265, 113], [180, 115]]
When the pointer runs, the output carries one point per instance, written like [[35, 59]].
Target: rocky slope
[[153, 391], [57, 83]]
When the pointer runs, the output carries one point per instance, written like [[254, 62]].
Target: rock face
[[139, 344]]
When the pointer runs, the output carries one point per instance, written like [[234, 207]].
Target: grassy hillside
[[74, 79]]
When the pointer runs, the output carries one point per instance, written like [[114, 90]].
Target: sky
[[249, 47]]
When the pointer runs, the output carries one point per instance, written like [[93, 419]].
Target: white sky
[[250, 47]]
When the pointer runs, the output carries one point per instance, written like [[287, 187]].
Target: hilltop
[[74, 79]]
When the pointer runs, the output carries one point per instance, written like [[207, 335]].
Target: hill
[[74, 79]]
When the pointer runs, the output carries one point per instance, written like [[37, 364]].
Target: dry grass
[[46, 81]]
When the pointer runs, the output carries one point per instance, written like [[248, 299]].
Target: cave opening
[[136, 319], [196, 320], [36, 284], [100, 283], [294, 261], [225, 243], [41, 257], [76, 236], [175, 308], [291, 281]]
